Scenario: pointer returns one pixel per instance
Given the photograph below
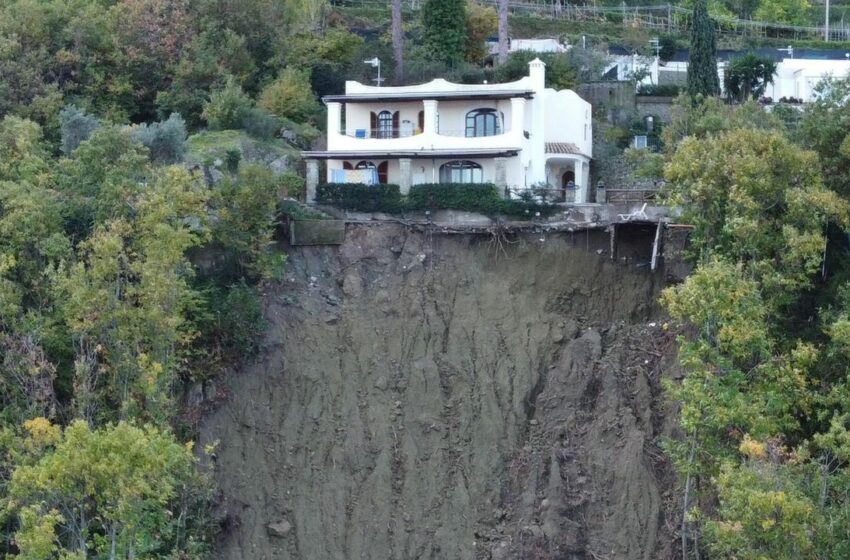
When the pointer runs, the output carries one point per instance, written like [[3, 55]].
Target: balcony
[[415, 139]]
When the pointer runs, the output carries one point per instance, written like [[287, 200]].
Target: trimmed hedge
[[481, 197], [357, 196], [442, 196]]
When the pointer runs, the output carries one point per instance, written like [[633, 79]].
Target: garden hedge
[[481, 197]]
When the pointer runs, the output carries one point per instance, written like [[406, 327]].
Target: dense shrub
[[239, 319], [291, 184], [365, 198], [226, 106], [166, 140], [261, 124], [671, 90], [75, 126], [290, 96], [437, 196], [482, 198]]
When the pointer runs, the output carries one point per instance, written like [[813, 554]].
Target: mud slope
[[447, 397]]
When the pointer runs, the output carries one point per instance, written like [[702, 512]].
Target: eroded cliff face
[[451, 396]]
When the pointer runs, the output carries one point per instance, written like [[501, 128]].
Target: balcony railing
[[373, 133], [381, 133]]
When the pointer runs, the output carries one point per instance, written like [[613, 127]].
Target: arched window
[[482, 122], [381, 168], [385, 125], [461, 172]]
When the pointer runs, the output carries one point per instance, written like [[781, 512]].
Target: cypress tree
[[702, 66], [444, 30]]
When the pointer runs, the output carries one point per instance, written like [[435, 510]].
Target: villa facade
[[516, 135]]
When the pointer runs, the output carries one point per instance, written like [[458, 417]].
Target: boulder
[[280, 528]]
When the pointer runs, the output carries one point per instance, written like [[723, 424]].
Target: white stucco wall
[[568, 119], [550, 116]]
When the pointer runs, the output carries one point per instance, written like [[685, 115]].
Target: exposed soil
[[452, 396]]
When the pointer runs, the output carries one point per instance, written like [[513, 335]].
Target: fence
[[663, 18]]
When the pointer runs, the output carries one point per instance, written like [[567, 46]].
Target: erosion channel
[[424, 395]]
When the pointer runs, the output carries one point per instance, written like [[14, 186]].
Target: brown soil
[[452, 397]]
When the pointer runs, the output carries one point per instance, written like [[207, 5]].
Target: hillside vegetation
[[144, 148]]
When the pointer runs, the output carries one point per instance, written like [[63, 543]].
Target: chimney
[[537, 73]]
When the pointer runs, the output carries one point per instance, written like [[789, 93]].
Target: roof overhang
[[410, 154], [379, 97]]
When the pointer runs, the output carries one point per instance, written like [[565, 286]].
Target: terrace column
[[430, 124], [312, 179], [501, 176], [334, 123], [405, 175]]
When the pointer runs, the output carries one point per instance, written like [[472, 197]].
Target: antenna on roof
[[375, 63]]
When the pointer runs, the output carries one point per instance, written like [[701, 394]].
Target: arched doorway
[[568, 194]]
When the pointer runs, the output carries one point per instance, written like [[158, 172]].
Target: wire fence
[[663, 18]]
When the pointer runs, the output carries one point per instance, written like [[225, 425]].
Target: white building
[[515, 135], [797, 77]]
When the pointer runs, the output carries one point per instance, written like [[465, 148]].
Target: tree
[[116, 492], [824, 129], [702, 66], [290, 96], [503, 31], [75, 126], [165, 141], [481, 23], [795, 12], [398, 41], [747, 76], [760, 215], [444, 30]]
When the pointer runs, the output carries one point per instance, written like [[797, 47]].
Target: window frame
[[459, 171], [478, 123], [382, 131]]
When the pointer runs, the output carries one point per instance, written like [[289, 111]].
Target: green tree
[[702, 65], [481, 23], [796, 12], [226, 106], [290, 96], [116, 492], [747, 76], [824, 129], [444, 33]]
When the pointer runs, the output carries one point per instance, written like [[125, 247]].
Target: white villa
[[515, 135]]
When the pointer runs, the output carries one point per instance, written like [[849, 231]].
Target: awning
[[565, 148]]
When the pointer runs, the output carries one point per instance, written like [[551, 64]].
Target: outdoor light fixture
[[375, 63]]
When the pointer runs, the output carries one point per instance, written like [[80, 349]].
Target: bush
[[166, 140], [669, 90], [75, 126], [240, 319], [290, 96], [365, 198], [482, 197], [227, 106], [292, 184], [261, 124]]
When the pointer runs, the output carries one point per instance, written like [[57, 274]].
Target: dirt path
[[451, 397]]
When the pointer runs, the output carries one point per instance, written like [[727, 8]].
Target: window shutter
[[373, 124], [421, 121], [382, 171], [396, 124]]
